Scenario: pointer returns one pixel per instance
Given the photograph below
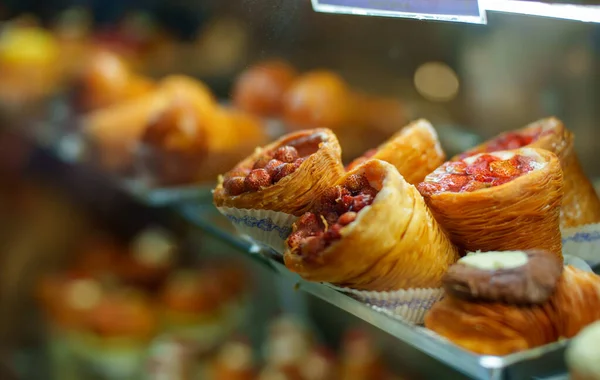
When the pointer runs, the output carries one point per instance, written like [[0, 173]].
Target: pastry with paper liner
[[583, 354], [260, 89], [500, 201], [371, 231], [581, 204], [285, 176], [496, 328], [414, 150]]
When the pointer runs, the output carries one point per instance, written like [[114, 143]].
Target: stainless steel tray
[[540, 363]]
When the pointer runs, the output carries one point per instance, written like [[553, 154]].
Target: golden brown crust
[[393, 244], [580, 204], [414, 150], [521, 214], [501, 329], [295, 193]]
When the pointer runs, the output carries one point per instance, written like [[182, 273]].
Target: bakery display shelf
[[541, 363], [60, 135]]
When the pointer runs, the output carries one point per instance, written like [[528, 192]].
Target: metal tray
[[540, 363]]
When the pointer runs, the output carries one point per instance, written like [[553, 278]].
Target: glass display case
[[146, 236]]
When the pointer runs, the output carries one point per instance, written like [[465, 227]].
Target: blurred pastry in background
[[260, 88], [320, 364], [583, 354], [145, 262], [117, 333], [318, 99], [322, 99], [30, 67], [172, 146], [107, 80], [151, 256], [360, 359], [192, 309], [414, 150], [234, 361], [113, 132]]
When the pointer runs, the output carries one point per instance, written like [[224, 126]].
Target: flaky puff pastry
[[295, 193], [520, 213], [414, 150], [395, 243], [581, 204], [501, 329]]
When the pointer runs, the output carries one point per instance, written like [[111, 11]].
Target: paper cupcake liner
[[410, 305], [269, 228], [577, 263], [583, 242]]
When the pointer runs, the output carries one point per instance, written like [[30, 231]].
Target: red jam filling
[[272, 167], [486, 171], [368, 154], [337, 208], [508, 141]]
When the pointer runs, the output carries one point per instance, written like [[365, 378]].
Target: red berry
[[356, 182], [272, 166], [257, 179], [261, 162], [286, 154], [282, 171], [234, 185]]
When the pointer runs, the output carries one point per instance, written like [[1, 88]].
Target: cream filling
[[495, 260]]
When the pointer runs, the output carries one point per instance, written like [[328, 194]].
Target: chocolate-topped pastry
[[515, 277]]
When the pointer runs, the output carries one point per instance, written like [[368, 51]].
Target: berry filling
[[272, 167], [508, 141], [469, 175], [338, 207]]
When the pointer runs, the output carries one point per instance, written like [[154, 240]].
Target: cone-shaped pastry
[[499, 201], [372, 231], [286, 175], [581, 204], [494, 328], [415, 151]]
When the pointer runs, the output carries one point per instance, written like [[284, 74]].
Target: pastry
[[371, 231], [496, 328], [286, 175], [318, 99], [583, 356], [259, 90], [172, 147], [500, 201], [116, 130], [120, 324], [580, 204], [415, 151], [107, 80], [515, 277], [234, 362], [360, 358]]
